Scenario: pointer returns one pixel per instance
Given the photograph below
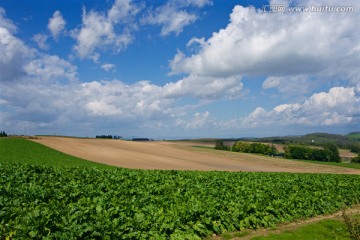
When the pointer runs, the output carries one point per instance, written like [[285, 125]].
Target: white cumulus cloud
[[101, 31], [6, 23], [289, 85], [51, 68], [172, 19], [205, 87], [196, 3], [56, 24], [199, 120], [256, 43], [107, 67], [338, 106], [40, 40], [175, 15], [122, 10], [14, 53]]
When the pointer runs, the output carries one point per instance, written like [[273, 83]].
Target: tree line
[[329, 152], [259, 148], [313, 139], [109, 136], [245, 147], [104, 136]]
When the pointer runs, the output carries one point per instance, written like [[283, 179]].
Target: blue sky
[[176, 69]]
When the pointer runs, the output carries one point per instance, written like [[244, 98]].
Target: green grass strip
[[346, 165], [325, 229]]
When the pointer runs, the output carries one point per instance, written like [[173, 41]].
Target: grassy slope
[[347, 165], [354, 135], [331, 228], [25, 151], [325, 229]]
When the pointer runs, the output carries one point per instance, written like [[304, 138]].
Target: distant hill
[[354, 135], [349, 141], [311, 139], [326, 138]]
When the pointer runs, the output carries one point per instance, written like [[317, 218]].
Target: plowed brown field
[[178, 156]]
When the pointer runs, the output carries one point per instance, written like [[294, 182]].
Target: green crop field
[[24, 151], [62, 198]]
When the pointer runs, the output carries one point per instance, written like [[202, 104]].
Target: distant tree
[[298, 152], [356, 159], [355, 147], [332, 152], [219, 145], [3, 134], [257, 148], [272, 150], [319, 155], [104, 136]]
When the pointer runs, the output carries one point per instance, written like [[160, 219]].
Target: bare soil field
[[178, 156]]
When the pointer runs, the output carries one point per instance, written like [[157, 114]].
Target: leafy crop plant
[[57, 202]]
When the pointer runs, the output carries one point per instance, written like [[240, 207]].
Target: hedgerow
[[330, 153], [260, 148]]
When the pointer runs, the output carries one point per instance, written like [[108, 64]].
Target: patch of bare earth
[[178, 156]]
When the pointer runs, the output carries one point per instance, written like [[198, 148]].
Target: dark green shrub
[[219, 145], [356, 159], [355, 147], [332, 152], [3, 134]]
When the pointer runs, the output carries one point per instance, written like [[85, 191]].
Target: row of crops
[[57, 202]]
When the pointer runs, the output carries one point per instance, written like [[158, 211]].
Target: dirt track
[[179, 156]]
